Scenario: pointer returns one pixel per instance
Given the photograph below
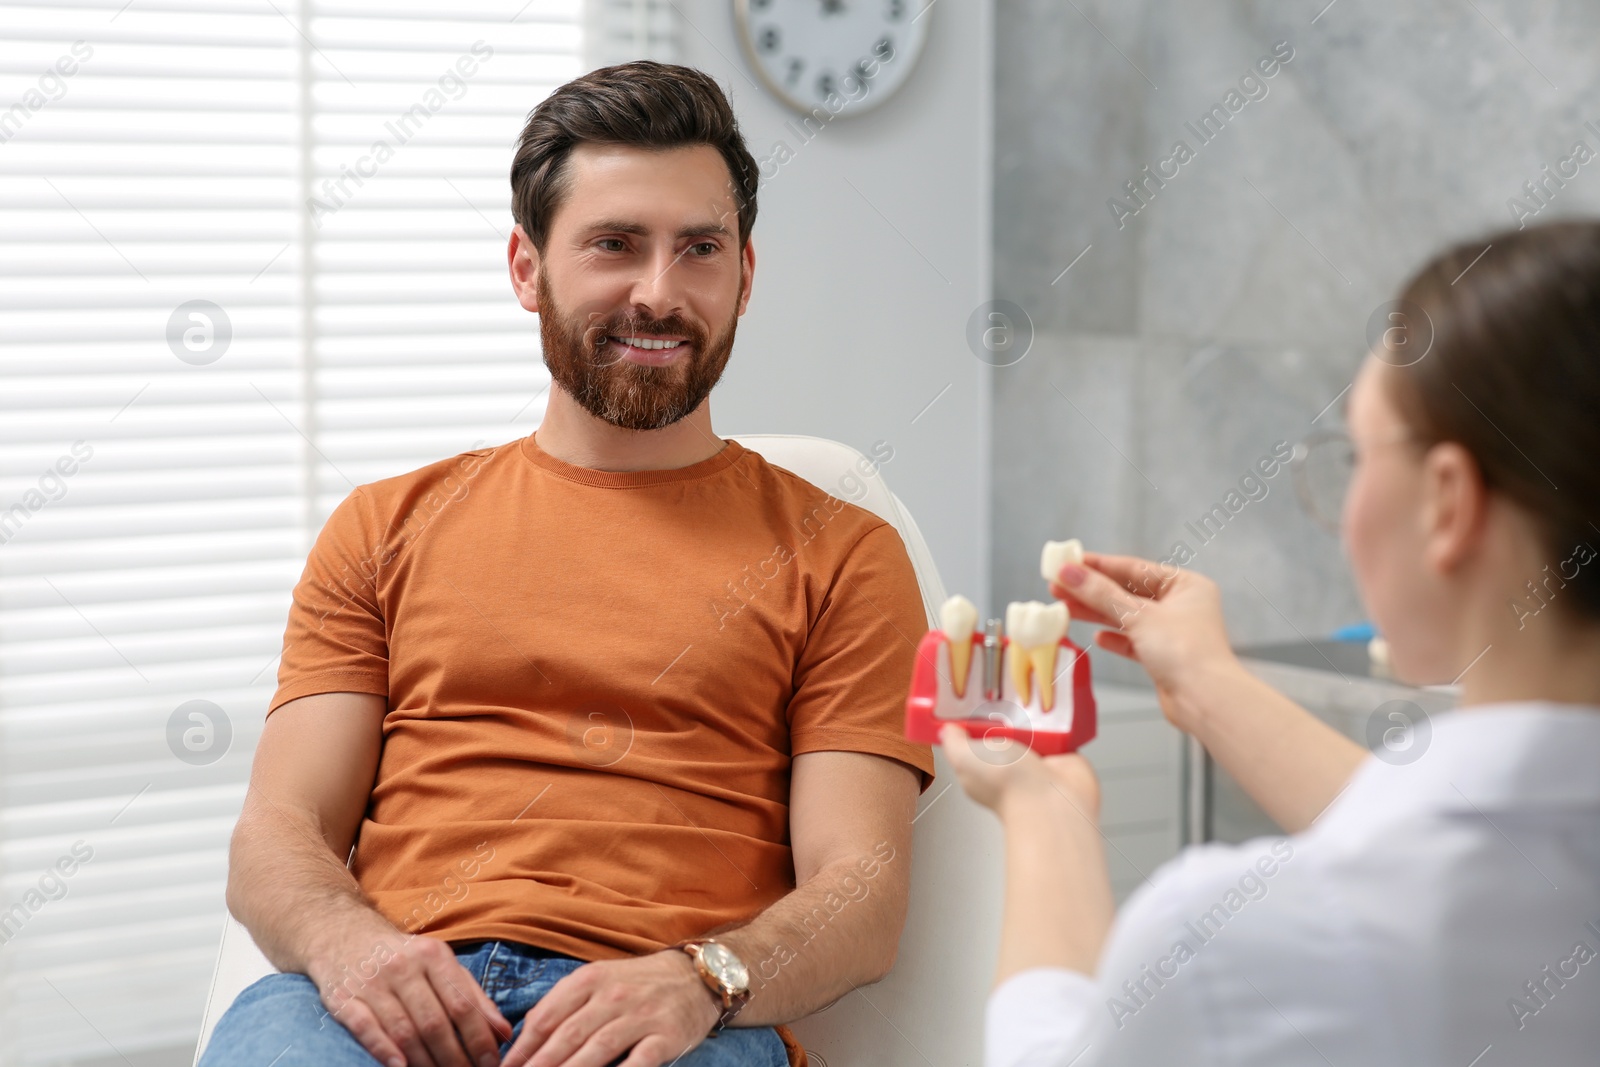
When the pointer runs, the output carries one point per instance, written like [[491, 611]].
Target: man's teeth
[[958, 618], [1035, 631], [645, 342], [1058, 554]]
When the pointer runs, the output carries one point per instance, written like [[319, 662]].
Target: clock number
[[794, 72]]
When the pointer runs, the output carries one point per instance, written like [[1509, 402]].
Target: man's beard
[[630, 395]]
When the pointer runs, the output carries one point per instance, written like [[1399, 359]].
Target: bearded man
[[586, 748]]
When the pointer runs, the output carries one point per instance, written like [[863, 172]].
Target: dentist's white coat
[[1441, 913]]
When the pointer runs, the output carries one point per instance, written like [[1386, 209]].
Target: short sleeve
[[855, 671], [336, 640]]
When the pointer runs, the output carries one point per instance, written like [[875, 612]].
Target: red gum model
[[933, 701]]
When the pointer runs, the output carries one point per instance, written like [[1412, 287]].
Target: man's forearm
[[837, 931], [287, 887]]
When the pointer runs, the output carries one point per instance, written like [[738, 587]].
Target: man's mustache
[[595, 335]]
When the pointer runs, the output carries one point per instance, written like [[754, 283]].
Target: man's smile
[[653, 351]]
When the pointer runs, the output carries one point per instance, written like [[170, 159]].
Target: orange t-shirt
[[596, 682]]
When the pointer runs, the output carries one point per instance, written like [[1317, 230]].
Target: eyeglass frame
[[1299, 457]]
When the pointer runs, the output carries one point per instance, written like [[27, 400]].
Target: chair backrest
[[932, 973], [930, 1008], [830, 466]]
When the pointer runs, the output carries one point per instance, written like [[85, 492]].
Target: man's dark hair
[[646, 104]]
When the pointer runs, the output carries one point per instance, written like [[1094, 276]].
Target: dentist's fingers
[[958, 744], [1117, 642], [981, 780], [1080, 611], [952, 738], [1101, 599], [1141, 576]]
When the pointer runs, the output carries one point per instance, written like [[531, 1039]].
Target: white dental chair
[[933, 1000]]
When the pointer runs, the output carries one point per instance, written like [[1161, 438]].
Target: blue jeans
[[280, 1021]]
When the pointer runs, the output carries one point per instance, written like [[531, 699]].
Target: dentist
[[1442, 911]]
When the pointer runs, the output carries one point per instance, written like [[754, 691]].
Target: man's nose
[[659, 286]]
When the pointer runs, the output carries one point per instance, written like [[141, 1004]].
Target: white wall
[[849, 334]]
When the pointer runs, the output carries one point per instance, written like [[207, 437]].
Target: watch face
[[724, 966], [837, 57]]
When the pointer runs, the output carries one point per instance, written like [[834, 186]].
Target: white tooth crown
[[1034, 625], [958, 618], [1014, 613], [1058, 554], [1035, 631]]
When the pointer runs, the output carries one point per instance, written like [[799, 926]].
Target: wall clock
[[840, 57]]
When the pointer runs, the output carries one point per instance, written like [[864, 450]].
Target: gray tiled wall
[[1231, 310]]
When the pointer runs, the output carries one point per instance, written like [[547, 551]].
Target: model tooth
[[1035, 631], [958, 618], [1058, 554], [1016, 659], [1053, 627]]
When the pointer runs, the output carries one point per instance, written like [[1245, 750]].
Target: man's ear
[[1455, 507], [749, 255], [523, 260]]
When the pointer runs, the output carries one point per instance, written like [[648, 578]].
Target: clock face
[[841, 57], [725, 966]]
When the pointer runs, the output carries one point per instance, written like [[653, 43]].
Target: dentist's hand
[[1002, 773], [1166, 619], [1058, 899]]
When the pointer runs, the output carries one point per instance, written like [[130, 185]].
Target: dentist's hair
[[1513, 376], [644, 103]]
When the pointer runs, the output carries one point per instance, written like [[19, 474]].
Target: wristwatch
[[723, 973]]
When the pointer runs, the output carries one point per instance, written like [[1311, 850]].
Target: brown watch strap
[[731, 1002]]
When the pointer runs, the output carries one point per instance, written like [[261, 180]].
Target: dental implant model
[[1029, 683]]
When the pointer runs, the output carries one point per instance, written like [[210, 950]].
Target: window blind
[[616, 31], [252, 254]]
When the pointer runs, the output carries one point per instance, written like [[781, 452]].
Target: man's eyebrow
[[704, 229]]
